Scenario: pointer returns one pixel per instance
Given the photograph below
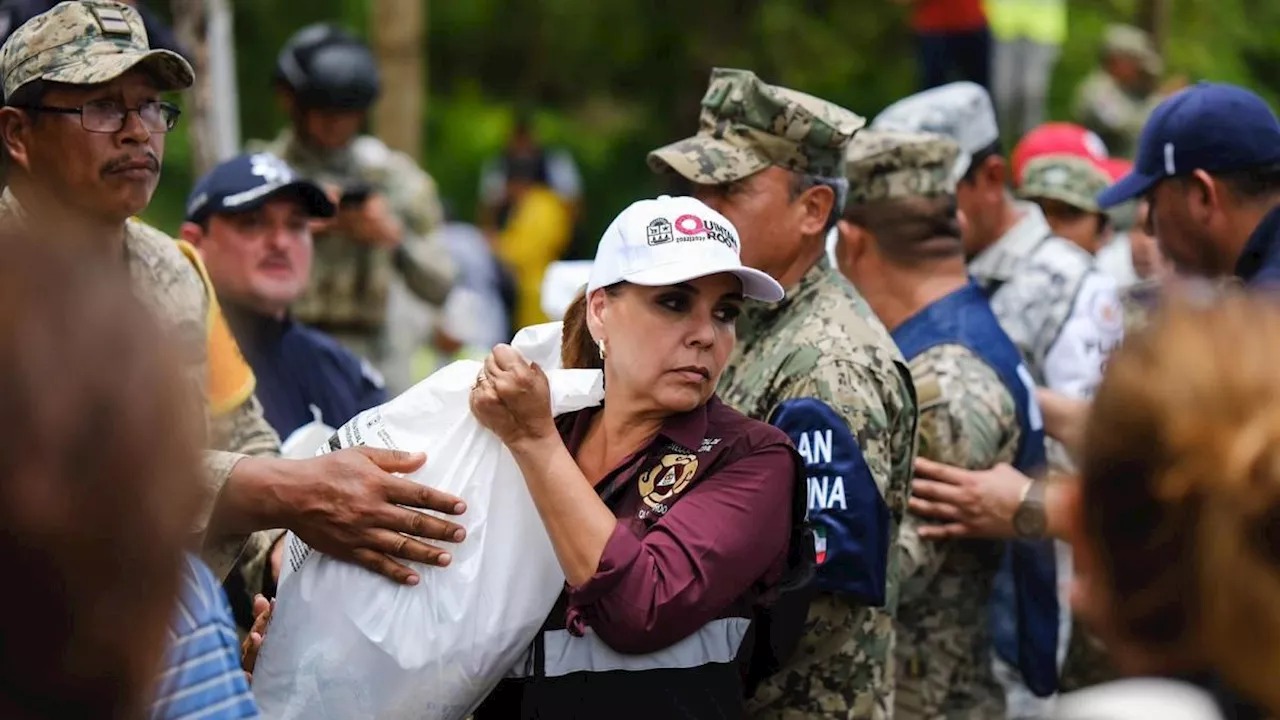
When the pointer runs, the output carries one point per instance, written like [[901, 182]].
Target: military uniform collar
[[1003, 260], [758, 316]]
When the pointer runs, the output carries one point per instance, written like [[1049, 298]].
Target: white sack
[[345, 643]]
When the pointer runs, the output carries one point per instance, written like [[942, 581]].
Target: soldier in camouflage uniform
[[1118, 97], [380, 243], [820, 366], [1066, 188], [79, 166], [900, 246]]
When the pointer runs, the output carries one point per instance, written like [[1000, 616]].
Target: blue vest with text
[[1024, 604]]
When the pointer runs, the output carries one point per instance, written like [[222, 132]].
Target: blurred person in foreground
[[251, 219], [900, 246], [84, 129], [822, 367], [670, 513], [327, 80], [1173, 518], [99, 479]]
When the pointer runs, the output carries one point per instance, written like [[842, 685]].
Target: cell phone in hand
[[355, 195]]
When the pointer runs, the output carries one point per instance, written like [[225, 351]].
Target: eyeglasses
[[109, 116]]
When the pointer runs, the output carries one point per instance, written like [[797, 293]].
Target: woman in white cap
[[670, 513]]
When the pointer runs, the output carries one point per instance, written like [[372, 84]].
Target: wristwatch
[[1029, 521]]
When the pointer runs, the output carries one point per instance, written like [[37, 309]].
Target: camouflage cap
[[1134, 42], [86, 43], [890, 165], [746, 126], [1071, 179], [960, 110]]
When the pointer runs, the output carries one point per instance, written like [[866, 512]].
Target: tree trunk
[[190, 25], [399, 37], [1153, 16]]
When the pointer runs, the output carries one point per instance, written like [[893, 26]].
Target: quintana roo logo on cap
[[693, 228], [659, 231], [662, 482]]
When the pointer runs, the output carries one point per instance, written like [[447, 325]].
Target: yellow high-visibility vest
[[1041, 21]]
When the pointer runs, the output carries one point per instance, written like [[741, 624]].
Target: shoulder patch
[[849, 515]]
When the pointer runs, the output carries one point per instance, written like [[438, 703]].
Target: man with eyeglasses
[[83, 130]]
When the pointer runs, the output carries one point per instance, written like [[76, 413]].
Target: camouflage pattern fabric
[[1036, 280], [350, 280], [824, 342], [746, 126], [968, 419], [1071, 179], [1115, 114], [889, 165], [959, 110], [86, 43]]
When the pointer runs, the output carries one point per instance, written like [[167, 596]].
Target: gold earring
[[603, 353]]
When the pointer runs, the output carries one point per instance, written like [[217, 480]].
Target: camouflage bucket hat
[[87, 43], [1071, 179], [746, 126], [891, 165]]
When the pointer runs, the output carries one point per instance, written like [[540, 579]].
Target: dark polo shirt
[[703, 524], [1259, 264]]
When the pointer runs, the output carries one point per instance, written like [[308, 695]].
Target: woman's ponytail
[[577, 349]]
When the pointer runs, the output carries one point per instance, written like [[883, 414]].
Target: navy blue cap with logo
[[1214, 127], [247, 181]]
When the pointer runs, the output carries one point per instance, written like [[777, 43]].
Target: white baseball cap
[[673, 240]]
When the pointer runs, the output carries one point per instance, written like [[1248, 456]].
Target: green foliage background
[[612, 79]]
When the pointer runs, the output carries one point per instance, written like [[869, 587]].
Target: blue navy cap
[[1209, 126], [247, 181]]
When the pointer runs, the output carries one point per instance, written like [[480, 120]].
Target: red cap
[[1117, 167], [1057, 138]]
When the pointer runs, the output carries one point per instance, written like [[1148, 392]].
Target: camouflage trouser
[[843, 668]]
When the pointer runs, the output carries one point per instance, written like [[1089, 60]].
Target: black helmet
[[327, 67]]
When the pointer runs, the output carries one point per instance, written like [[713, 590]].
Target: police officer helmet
[[327, 67]]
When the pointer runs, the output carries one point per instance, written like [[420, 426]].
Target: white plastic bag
[[345, 643]]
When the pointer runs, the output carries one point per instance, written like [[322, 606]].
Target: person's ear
[[995, 172], [816, 204], [854, 245], [1205, 196], [193, 234], [15, 134], [284, 97], [597, 311]]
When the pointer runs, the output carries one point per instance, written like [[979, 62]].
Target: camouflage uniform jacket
[[171, 287], [968, 419], [1116, 115], [350, 280], [1064, 315], [824, 342]]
